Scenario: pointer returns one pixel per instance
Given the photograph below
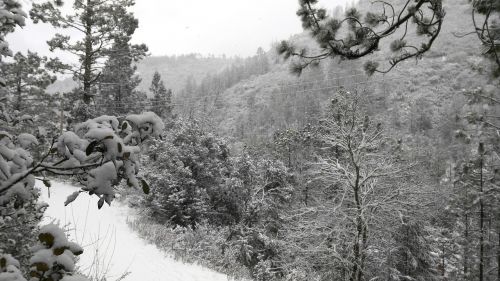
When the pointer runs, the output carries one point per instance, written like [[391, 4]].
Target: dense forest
[[365, 148]]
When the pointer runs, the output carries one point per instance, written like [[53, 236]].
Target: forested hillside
[[175, 70], [258, 106]]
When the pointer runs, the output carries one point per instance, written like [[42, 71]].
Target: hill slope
[[174, 71], [253, 109]]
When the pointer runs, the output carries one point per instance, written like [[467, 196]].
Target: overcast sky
[[168, 27]]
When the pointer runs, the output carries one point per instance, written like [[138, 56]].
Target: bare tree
[[362, 189]]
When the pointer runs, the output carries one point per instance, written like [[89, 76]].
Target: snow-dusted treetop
[[11, 15]]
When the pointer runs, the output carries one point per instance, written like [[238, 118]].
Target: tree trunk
[[19, 93], [481, 224], [466, 246], [498, 253], [87, 62], [361, 235]]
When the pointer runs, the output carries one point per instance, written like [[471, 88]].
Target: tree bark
[[361, 235], [19, 92], [498, 253], [481, 224], [87, 62]]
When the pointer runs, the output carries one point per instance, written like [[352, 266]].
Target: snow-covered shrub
[[9, 269], [101, 152], [206, 245], [196, 183], [53, 259], [186, 169], [18, 227], [54, 256], [265, 192]]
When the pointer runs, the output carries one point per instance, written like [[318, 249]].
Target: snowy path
[[119, 249]]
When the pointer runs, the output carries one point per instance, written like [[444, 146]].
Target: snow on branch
[[102, 151]]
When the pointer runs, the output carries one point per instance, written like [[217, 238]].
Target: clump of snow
[[100, 180], [11, 273], [101, 150], [148, 123], [4, 134], [68, 142], [25, 140], [112, 121], [54, 255], [9, 260], [103, 121], [18, 190], [9, 269], [58, 237], [72, 197]]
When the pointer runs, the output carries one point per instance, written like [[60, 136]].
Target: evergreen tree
[[24, 100], [364, 34], [162, 98], [487, 28], [411, 258], [11, 17], [27, 78], [189, 169], [118, 82], [262, 193], [476, 184], [101, 23], [262, 62], [189, 94]]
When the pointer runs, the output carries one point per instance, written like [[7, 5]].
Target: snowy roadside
[[105, 234]]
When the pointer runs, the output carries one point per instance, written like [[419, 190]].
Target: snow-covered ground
[[105, 234]]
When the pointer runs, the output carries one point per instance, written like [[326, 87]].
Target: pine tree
[[262, 61], [476, 181], [27, 78], [100, 22], [410, 257], [118, 82], [162, 98], [24, 101], [189, 94], [487, 29], [12, 16], [364, 34]]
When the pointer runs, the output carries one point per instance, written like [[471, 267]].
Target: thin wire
[[154, 104], [302, 91], [183, 103], [215, 95]]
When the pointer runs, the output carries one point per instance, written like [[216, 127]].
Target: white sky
[[168, 27]]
